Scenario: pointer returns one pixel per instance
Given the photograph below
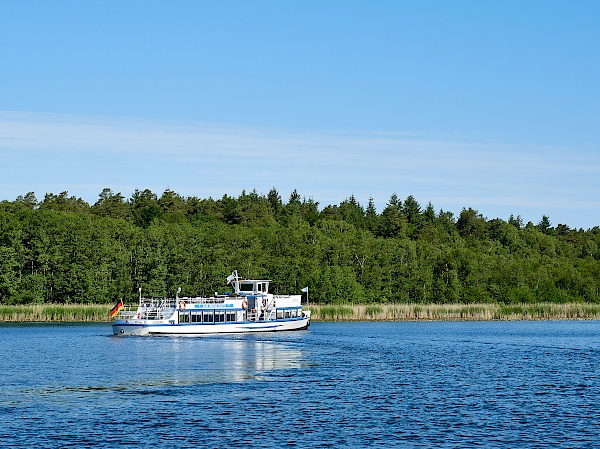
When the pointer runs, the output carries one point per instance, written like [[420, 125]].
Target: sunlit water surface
[[523, 384]]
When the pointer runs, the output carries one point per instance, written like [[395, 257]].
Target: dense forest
[[64, 250]]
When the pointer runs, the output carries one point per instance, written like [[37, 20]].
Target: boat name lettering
[[210, 306]]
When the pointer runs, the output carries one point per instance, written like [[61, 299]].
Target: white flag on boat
[[305, 290], [230, 278]]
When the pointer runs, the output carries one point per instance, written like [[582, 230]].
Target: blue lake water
[[492, 384]]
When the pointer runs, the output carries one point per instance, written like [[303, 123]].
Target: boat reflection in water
[[180, 361]]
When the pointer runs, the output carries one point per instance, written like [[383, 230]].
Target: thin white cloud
[[81, 154]]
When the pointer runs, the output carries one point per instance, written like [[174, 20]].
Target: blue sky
[[492, 105]]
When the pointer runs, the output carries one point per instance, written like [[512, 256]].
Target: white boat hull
[[148, 327], [251, 308]]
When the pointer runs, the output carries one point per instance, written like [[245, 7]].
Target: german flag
[[116, 308]]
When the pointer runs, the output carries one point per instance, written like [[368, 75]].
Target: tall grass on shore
[[351, 312], [65, 313], [455, 312]]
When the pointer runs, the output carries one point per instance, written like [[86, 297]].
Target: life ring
[[244, 304], [182, 305]]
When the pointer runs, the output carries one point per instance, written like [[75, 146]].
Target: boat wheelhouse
[[250, 308]]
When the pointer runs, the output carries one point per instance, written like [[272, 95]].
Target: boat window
[[230, 316], [196, 317], [219, 317], [208, 317], [280, 314], [259, 286], [246, 287], [287, 313], [184, 317]]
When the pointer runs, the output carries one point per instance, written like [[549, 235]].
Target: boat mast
[[236, 281]]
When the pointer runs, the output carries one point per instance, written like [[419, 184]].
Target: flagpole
[[305, 290]]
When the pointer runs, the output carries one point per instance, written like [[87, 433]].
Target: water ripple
[[350, 385]]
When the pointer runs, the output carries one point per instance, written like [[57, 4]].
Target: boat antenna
[[140, 294]]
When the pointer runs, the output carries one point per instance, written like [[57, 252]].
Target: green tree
[[470, 223], [411, 210], [429, 213], [309, 210], [293, 205], [371, 217], [231, 210], [112, 205], [28, 201], [275, 202], [145, 207], [516, 222], [58, 252], [352, 212], [390, 223], [545, 225], [63, 203]]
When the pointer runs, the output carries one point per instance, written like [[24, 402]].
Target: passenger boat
[[250, 308]]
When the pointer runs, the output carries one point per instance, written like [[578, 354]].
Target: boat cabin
[[253, 287]]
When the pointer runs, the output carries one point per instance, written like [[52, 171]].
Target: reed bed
[[59, 313], [455, 312], [352, 312]]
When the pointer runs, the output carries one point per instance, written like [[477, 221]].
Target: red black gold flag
[[116, 308]]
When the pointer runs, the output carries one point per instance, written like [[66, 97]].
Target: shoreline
[[456, 312], [98, 313]]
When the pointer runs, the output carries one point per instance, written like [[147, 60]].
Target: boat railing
[[260, 315], [157, 314], [156, 302], [126, 313], [204, 300], [179, 301]]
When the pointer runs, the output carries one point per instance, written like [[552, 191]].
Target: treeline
[[64, 250]]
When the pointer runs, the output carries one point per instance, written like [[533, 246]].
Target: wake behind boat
[[251, 308]]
